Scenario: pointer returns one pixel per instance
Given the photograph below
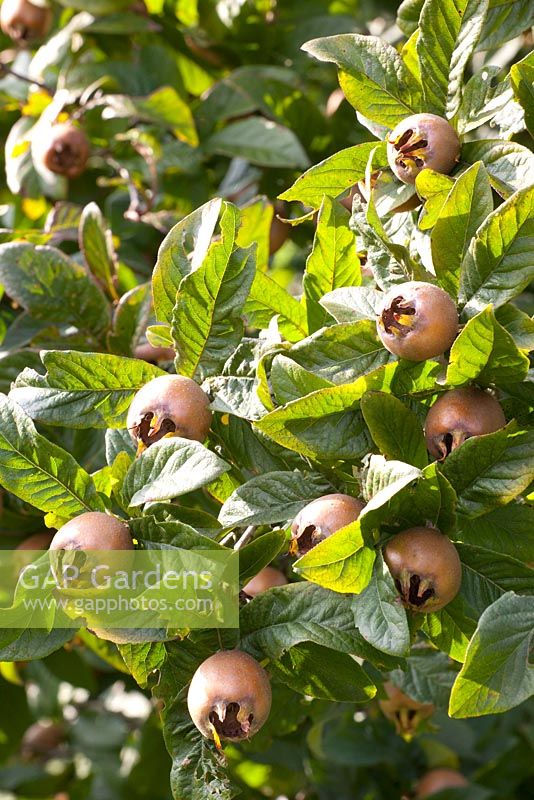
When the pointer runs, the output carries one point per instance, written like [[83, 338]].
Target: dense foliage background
[[206, 120]]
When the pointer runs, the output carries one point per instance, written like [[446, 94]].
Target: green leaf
[[518, 324], [434, 188], [290, 381], [510, 166], [268, 298], [164, 108], [40, 472], [449, 30], [97, 248], [379, 616], [395, 429], [270, 498], [143, 660], [285, 616], [373, 76], [32, 644], [206, 323], [182, 251], [260, 141], [508, 530], [52, 287], [82, 390], [451, 628], [170, 468], [256, 220], [340, 562], [259, 554], [335, 174], [341, 353], [129, 318], [321, 672], [522, 76], [328, 424], [506, 19], [352, 303], [497, 674], [486, 351], [486, 575], [428, 677], [468, 204], [332, 262], [489, 471], [498, 264]]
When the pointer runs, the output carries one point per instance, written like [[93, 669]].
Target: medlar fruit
[[64, 151], [323, 517], [265, 579], [37, 541], [169, 404], [405, 712], [93, 530], [229, 696], [417, 320], [41, 738], [426, 568], [459, 414], [23, 21], [422, 141], [436, 780], [153, 355]]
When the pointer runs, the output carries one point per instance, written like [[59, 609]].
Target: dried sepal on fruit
[[417, 320], [405, 712], [169, 405], [426, 568], [422, 141], [321, 518], [457, 416], [229, 697]]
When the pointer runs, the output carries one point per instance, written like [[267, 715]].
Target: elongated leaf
[[506, 19], [274, 497], [508, 530], [373, 76], [183, 250], [290, 381], [522, 76], [206, 323], [510, 165], [451, 628], [497, 674], [332, 262], [52, 287], [268, 298], [352, 303], [260, 141], [170, 468], [465, 209], [335, 174], [490, 471], [499, 262], [97, 248], [39, 472], [82, 390], [395, 429], [487, 575], [259, 553]]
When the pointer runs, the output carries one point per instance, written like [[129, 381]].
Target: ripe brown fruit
[[41, 738], [417, 320], [37, 541], [323, 517], [93, 530], [169, 404], [422, 141], [23, 21], [153, 355], [63, 149], [229, 696], [436, 780], [265, 579], [459, 414], [426, 568], [405, 712]]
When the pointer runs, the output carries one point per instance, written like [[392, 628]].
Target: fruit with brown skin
[[417, 320], [41, 738], [265, 579], [23, 21], [436, 780], [426, 568], [422, 141], [405, 712], [37, 541], [93, 530], [169, 404], [229, 696], [63, 149], [459, 414], [153, 355], [323, 517]]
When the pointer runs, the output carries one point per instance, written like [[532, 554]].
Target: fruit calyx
[[150, 430], [411, 148], [391, 316], [231, 721], [414, 591]]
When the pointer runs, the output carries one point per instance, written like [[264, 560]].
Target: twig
[[5, 70], [248, 534]]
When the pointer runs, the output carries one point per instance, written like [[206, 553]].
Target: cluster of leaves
[[306, 399]]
